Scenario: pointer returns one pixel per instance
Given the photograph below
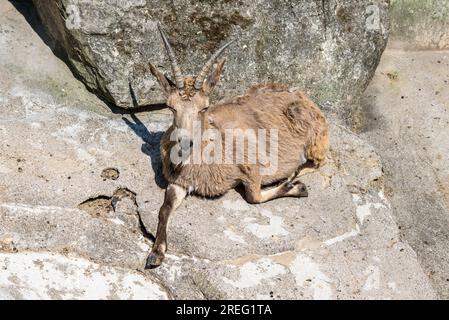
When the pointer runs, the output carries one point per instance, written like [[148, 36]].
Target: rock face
[[414, 150], [329, 48], [79, 186]]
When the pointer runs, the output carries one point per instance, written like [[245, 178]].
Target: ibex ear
[[214, 77], [165, 83]]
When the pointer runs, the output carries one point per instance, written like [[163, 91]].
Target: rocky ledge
[[80, 188]]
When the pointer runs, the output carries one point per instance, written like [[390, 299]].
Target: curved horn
[[174, 63], [202, 75]]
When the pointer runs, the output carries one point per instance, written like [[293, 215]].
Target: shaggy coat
[[302, 135]]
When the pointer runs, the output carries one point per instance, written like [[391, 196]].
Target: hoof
[[303, 191], [296, 189], [288, 186], [154, 260]]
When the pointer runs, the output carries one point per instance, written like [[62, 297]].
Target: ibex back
[[297, 124]]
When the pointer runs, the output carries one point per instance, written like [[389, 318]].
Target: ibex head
[[188, 97]]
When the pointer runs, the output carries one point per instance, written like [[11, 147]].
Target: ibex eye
[[204, 110]]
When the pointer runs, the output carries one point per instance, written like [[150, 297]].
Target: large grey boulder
[[330, 48]]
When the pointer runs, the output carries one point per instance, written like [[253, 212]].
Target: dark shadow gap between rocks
[[150, 147], [27, 9]]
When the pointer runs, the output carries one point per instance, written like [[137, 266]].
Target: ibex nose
[[185, 143]]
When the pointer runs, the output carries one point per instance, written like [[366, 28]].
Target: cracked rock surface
[[57, 140]]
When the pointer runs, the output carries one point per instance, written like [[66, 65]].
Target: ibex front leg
[[173, 198]]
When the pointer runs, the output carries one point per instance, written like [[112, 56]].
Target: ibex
[[302, 140]]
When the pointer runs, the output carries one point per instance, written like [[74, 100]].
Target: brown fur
[[302, 128], [302, 143]]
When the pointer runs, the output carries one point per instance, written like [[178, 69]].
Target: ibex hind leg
[[255, 194], [313, 157]]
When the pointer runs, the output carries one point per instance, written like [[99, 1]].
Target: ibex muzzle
[[301, 140]]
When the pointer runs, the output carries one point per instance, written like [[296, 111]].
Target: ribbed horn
[[174, 63], [202, 75]]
